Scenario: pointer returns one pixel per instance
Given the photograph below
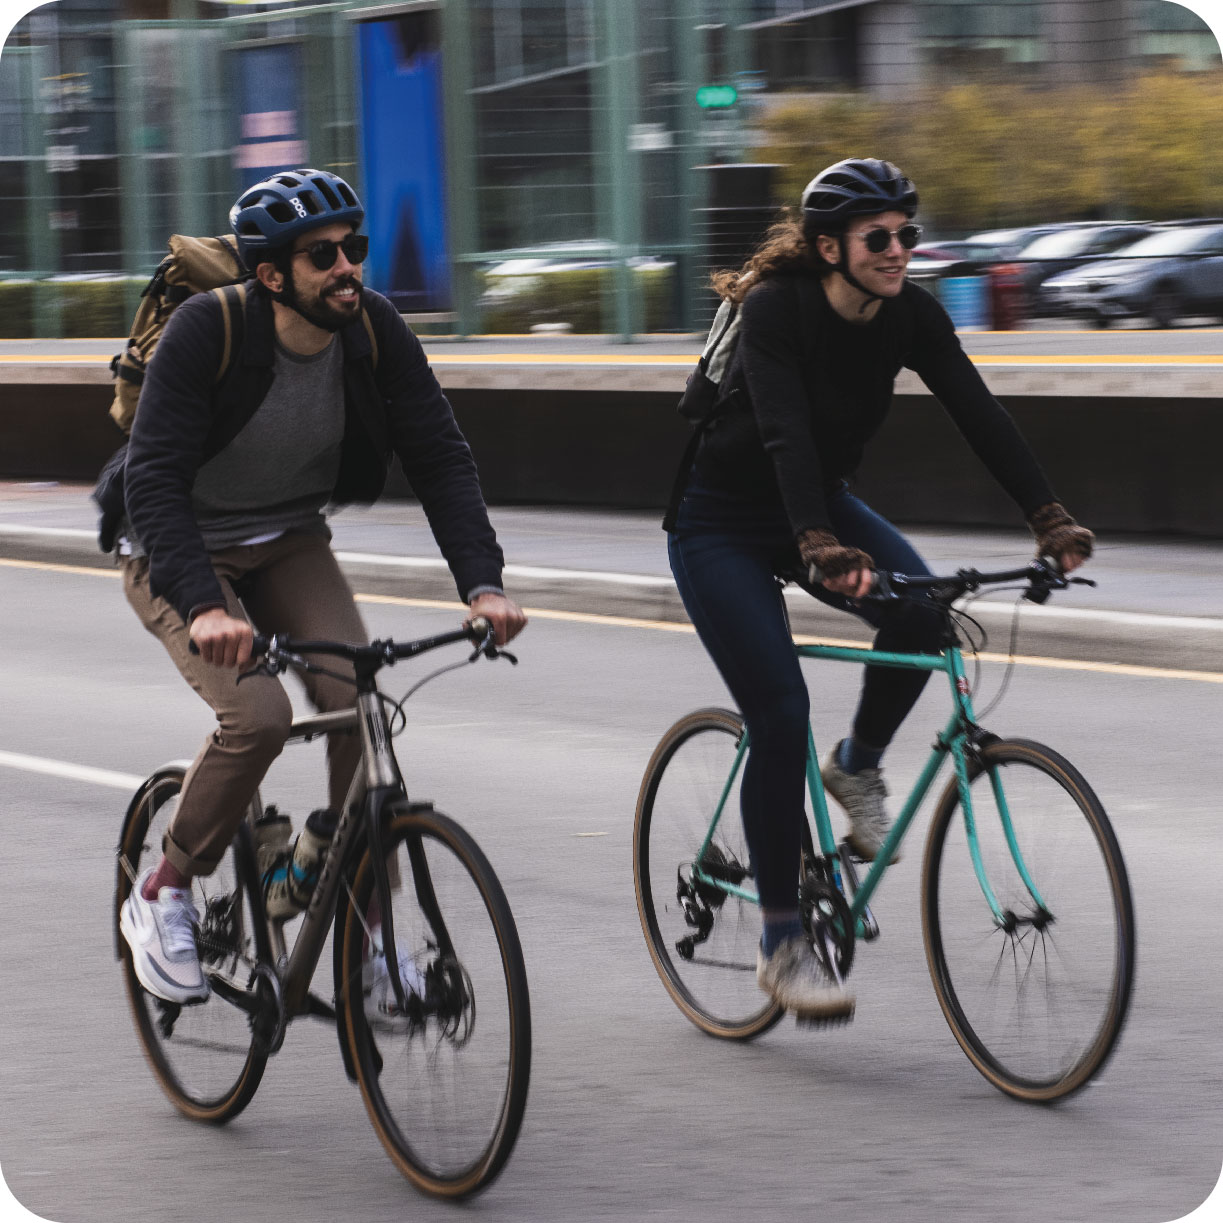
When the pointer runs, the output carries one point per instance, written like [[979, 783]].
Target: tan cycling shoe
[[862, 795], [796, 977]]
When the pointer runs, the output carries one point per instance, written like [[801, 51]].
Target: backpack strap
[[680, 484], [233, 311], [373, 339]]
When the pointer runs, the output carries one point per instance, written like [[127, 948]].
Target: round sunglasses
[[325, 252], [879, 239]]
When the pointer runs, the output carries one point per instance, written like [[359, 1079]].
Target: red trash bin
[[1006, 296]]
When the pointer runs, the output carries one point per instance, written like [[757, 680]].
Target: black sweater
[[394, 406], [810, 403]]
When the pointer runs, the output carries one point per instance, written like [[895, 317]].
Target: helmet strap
[[842, 267]]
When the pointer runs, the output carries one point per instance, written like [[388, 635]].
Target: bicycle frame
[[376, 784], [958, 739]]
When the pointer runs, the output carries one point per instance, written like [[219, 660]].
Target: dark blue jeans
[[725, 554]]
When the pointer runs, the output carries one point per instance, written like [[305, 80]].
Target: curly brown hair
[[785, 247]]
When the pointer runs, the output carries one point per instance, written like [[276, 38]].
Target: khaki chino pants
[[291, 584]]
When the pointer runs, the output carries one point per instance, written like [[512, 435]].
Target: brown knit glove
[[1058, 535], [825, 557]]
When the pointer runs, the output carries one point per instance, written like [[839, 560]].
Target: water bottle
[[289, 890], [272, 850]]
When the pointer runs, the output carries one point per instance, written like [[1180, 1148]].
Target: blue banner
[[403, 167]]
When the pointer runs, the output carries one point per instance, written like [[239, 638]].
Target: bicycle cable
[[416, 687]]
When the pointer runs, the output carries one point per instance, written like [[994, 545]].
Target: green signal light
[[710, 97]]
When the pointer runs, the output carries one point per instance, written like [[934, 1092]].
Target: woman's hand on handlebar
[[221, 639], [506, 617], [845, 570], [855, 585]]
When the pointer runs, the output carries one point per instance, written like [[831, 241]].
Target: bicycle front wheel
[[1037, 997], [702, 940], [444, 1082], [204, 1056]]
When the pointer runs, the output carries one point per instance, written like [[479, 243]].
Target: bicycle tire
[[1079, 945], [207, 1063], [715, 985], [425, 1067]]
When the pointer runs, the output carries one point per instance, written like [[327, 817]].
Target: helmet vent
[[279, 211], [326, 192], [310, 202], [346, 195]]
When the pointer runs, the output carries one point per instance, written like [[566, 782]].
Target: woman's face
[[881, 274]]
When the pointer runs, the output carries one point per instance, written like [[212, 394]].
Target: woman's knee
[[779, 714]]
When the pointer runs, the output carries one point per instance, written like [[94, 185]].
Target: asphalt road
[[633, 1113]]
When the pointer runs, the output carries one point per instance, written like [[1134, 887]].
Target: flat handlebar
[[279, 650], [1041, 577]]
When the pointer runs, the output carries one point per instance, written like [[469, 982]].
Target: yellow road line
[[683, 360], [1102, 359], [669, 626]]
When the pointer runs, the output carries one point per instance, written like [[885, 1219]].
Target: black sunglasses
[[324, 252], [879, 239]]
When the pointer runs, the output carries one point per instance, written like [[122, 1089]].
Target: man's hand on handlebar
[[221, 639], [506, 617]]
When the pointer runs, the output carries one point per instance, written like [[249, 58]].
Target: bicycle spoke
[[1039, 1014], [203, 1055], [703, 941]]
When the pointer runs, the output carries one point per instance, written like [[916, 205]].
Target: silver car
[[1168, 275]]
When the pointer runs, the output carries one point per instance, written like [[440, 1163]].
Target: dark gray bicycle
[[443, 1060]]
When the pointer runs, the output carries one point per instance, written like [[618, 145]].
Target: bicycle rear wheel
[[702, 941], [1038, 1002], [203, 1056], [445, 1085]]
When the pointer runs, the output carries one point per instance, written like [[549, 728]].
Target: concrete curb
[[1099, 637]]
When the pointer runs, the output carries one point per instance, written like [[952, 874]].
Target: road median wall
[[1127, 450]]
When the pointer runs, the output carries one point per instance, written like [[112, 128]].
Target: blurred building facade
[[483, 131]]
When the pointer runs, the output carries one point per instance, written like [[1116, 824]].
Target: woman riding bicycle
[[827, 321]]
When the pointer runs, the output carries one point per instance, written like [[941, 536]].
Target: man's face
[[330, 298], [882, 274]]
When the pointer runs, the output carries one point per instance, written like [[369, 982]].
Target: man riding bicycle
[[226, 485]]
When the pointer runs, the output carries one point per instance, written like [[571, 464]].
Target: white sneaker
[[381, 1007], [161, 934], [862, 795], [796, 977]]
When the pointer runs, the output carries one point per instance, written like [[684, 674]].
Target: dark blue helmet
[[271, 214], [856, 187]]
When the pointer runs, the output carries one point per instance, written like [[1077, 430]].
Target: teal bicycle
[[1027, 917]]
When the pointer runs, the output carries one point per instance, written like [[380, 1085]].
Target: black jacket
[[395, 407], [815, 389]]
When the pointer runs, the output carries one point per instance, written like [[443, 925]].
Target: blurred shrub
[[88, 308], [16, 309], [997, 155], [577, 296], [92, 308]]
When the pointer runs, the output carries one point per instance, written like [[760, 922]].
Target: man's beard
[[318, 312]]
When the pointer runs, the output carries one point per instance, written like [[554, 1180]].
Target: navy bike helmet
[[271, 214], [856, 187]]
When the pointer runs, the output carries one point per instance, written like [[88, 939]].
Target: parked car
[[1173, 272], [1069, 248]]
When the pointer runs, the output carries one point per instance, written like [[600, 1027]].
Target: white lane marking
[[992, 608], [511, 571], [73, 772], [18, 528]]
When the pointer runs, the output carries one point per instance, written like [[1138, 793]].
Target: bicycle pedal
[[823, 1021]]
